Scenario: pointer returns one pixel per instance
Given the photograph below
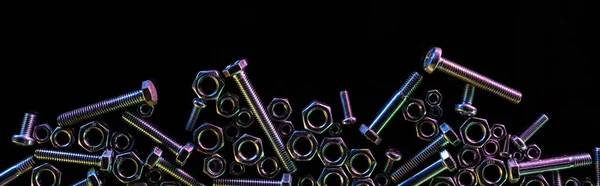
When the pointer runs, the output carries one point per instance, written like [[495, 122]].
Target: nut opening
[[533, 153], [236, 169], [232, 132], [415, 110], [320, 119], [518, 156], [154, 176], [307, 181], [145, 110], [248, 150], [469, 157], [332, 154], [466, 178], [434, 98], [228, 105], [93, 137], [360, 164], [334, 178], [303, 146], [62, 138], [491, 147], [285, 128], [46, 177], [475, 132], [268, 167], [436, 112], [427, 129], [128, 168], [244, 118], [382, 179], [208, 88], [498, 132], [280, 110], [41, 133], [215, 166], [121, 141], [492, 173]]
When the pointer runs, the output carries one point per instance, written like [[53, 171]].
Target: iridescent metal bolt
[[146, 95], [393, 155], [597, 164], [348, 116], [183, 152], [237, 71], [521, 140], [446, 162], [556, 178], [505, 153], [24, 137], [155, 160], [94, 178], [286, 180], [12, 173], [103, 162], [199, 104], [434, 60], [447, 136], [390, 109], [466, 108], [518, 169]]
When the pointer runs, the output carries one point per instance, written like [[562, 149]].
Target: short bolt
[[12, 173], [348, 116], [518, 169], [182, 152], [521, 140], [393, 155], [146, 95], [434, 60], [199, 104], [505, 152], [447, 136], [237, 71], [104, 161], [24, 137], [446, 162], [466, 107], [155, 160], [597, 164], [390, 109], [556, 179], [286, 180]]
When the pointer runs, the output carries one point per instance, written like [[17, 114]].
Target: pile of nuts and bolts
[[475, 151]]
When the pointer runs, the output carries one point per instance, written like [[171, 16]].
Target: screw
[[155, 160], [286, 179], [146, 95], [556, 179], [393, 155], [506, 147], [199, 104], [24, 137], [447, 136], [434, 60], [103, 161], [348, 116], [237, 72], [444, 163], [519, 141], [597, 164], [182, 152], [17, 170], [518, 169], [466, 108], [391, 108]]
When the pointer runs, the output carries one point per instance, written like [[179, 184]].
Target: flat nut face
[[93, 128], [208, 75], [128, 159], [45, 168], [315, 108], [338, 144]]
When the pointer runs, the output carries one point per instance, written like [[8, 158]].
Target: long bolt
[[348, 116], [434, 60], [447, 136], [155, 160], [597, 164], [556, 179], [146, 95], [466, 107], [393, 155], [16, 170], [237, 72], [518, 169], [151, 131], [24, 137], [103, 161], [199, 104], [286, 179], [391, 108], [446, 162], [521, 140]]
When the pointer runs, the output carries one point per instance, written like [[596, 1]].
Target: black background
[[60, 60]]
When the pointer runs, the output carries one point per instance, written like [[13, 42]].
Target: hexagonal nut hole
[[442, 180], [62, 137], [491, 171], [382, 179], [475, 132], [145, 110], [45, 174], [466, 177], [244, 118], [427, 129], [491, 148], [436, 112], [41, 133], [184, 154], [309, 118], [498, 131], [361, 163], [307, 180], [335, 129], [208, 84], [533, 152], [128, 167], [268, 167], [330, 155], [208, 138], [414, 110], [236, 169], [468, 157], [214, 166], [122, 141], [302, 145], [333, 176], [279, 109], [285, 128], [248, 150], [228, 105], [154, 176], [93, 136], [433, 97]]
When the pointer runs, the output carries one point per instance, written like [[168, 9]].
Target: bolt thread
[[17, 170], [468, 94], [555, 163], [556, 179], [67, 157], [346, 107], [151, 131], [178, 174], [480, 81], [246, 182], [191, 122], [83, 182], [534, 127], [258, 109], [387, 168], [597, 164], [100, 108], [431, 149], [426, 174], [29, 120]]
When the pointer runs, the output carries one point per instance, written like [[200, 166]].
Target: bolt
[[155, 160], [12, 173], [237, 72], [597, 164], [199, 104], [444, 163], [506, 147], [104, 161], [466, 107], [518, 169], [519, 141], [556, 179], [182, 152], [24, 137], [434, 60], [94, 177], [286, 180], [447, 136], [146, 95], [391, 108], [393, 155], [348, 116]]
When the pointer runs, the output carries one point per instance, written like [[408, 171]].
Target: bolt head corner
[[235, 68]]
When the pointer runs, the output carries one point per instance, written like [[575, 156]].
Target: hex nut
[[45, 168], [355, 153], [442, 180], [335, 129], [224, 99], [327, 143], [170, 183], [216, 130], [137, 163], [498, 131], [473, 157], [214, 166], [274, 111], [330, 171], [307, 180], [244, 118], [533, 152], [300, 156], [382, 179], [108, 157], [285, 128], [483, 178], [120, 137], [427, 122], [253, 159], [232, 131], [144, 110], [436, 112], [414, 103], [491, 148], [363, 182], [235, 67], [206, 75], [184, 153], [84, 131], [433, 97], [269, 174], [236, 169], [537, 179], [466, 177], [470, 124], [62, 131], [160, 176], [310, 109], [572, 181], [41, 133]]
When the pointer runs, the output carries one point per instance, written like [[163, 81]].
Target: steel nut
[[244, 159], [90, 128], [208, 75], [442, 180], [122, 141], [280, 109], [427, 129], [533, 152], [363, 182], [214, 166], [498, 131], [369, 158], [202, 130], [228, 105], [491, 148], [296, 137], [537, 179], [329, 142], [45, 169], [55, 137], [333, 173], [414, 110], [309, 110], [433, 97], [466, 177], [41, 133], [244, 118], [475, 132], [128, 159], [491, 171]]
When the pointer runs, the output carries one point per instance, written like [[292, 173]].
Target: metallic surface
[[347, 108], [392, 155], [382, 179], [597, 164], [587, 182], [335, 129], [327, 174], [498, 131], [62, 131], [208, 75], [20, 168], [316, 107], [45, 168], [518, 169], [293, 141], [145, 110], [466, 177], [521, 140], [262, 170], [414, 103], [445, 163], [470, 161], [537, 179], [442, 181], [83, 138], [119, 161], [483, 175], [363, 182], [427, 122], [203, 130], [352, 157], [433, 97], [214, 166], [307, 180], [239, 118], [115, 142], [286, 180], [41, 133], [231, 132], [332, 142], [154, 179], [255, 142], [466, 107], [24, 137], [572, 181], [155, 160], [235, 105], [199, 104], [287, 109], [236, 169], [285, 128], [103, 162], [436, 112], [533, 152], [474, 123], [93, 178], [556, 178], [491, 148]]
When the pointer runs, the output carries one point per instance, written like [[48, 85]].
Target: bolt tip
[[432, 59]]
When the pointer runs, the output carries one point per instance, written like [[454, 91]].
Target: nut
[[285, 128], [145, 110], [214, 166], [587, 181], [335, 129], [280, 109], [184, 153], [128, 177], [265, 171], [435, 112], [231, 132], [138, 183], [202, 130], [468, 157], [58, 133], [475, 132], [409, 112], [363, 182], [155, 176], [244, 118], [572, 181], [442, 181], [122, 141], [382, 179], [205, 75], [491, 148], [87, 129], [223, 107], [537, 179], [433, 97], [45, 169], [107, 160], [355, 153], [295, 138], [330, 172], [244, 159], [533, 152], [519, 156], [236, 169], [424, 124], [498, 131], [487, 177], [466, 177], [307, 180], [324, 109], [333, 161], [41, 133], [170, 183]]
